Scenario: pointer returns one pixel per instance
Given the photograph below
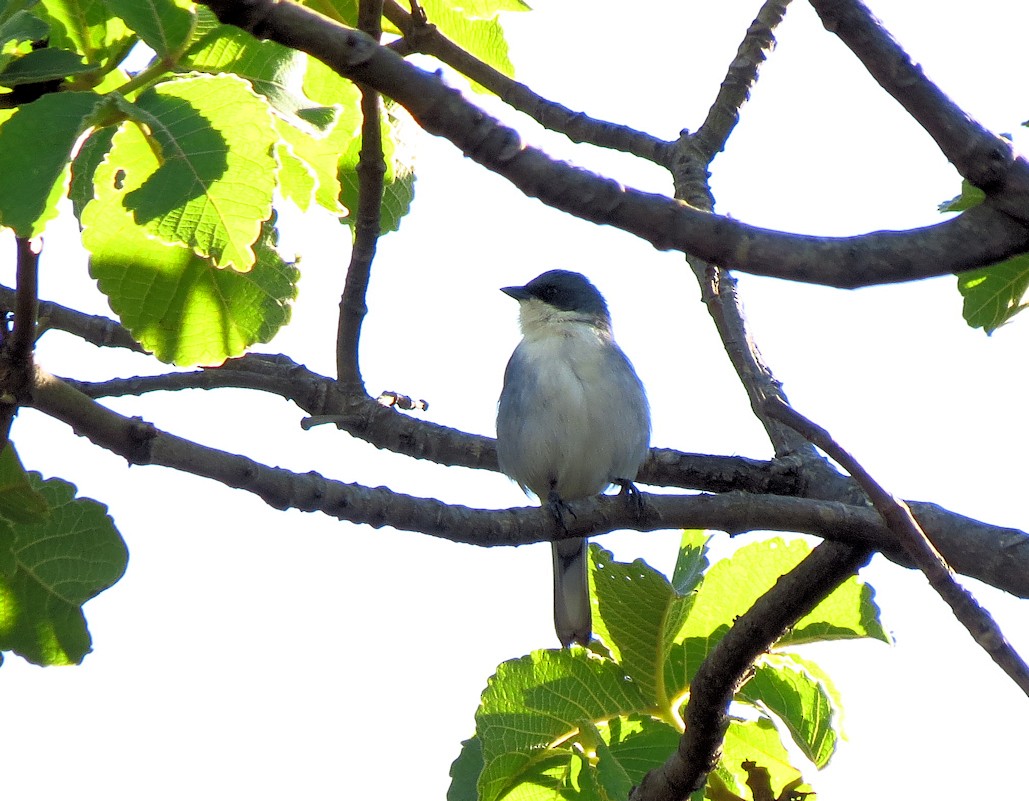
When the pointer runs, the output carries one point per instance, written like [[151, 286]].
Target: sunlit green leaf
[[276, 72], [638, 615], [17, 33], [786, 688], [534, 701], [85, 26], [213, 188], [163, 24], [755, 742], [398, 182], [691, 562], [482, 37], [86, 161], [174, 302], [993, 295]]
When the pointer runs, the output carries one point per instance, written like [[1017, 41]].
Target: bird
[[573, 420]]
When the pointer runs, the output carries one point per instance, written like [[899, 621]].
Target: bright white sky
[[250, 653]]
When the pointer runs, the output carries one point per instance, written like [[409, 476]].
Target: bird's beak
[[516, 292]]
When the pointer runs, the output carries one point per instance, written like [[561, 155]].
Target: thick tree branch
[[980, 236], [422, 37], [993, 554], [898, 517], [980, 156], [141, 443]]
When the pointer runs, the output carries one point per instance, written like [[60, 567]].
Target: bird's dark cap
[[563, 290]]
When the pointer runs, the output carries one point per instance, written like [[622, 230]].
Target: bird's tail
[[573, 620]]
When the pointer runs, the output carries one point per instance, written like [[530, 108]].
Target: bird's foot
[[633, 496], [558, 508]]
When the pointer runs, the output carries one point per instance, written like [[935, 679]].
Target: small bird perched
[[573, 419]]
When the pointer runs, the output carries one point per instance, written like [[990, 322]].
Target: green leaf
[[20, 502], [174, 302], [213, 188], [757, 742], [640, 744], [398, 182], [164, 25], [785, 687], [47, 64], [344, 11], [464, 772], [539, 700], [691, 561], [85, 26], [970, 196], [483, 38], [48, 570], [849, 612], [84, 166], [638, 616], [35, 147], [993, 295], [732, 585], [274, 71], [613, 780], [17, 33], [487, 9]]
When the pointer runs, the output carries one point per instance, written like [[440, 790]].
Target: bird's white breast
[[578, 419]]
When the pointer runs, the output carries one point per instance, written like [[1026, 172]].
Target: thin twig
[[421, 36], [371, 171], [95, 329], [693, 154], [902, 523]]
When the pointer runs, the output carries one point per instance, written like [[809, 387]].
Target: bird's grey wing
[[634, 416], [514, 417]]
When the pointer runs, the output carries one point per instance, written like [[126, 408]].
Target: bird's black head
[[563, 290]]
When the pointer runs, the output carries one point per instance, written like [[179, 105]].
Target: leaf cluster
[[590, 723]]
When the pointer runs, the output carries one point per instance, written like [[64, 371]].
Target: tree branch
[[689, 165], [726, 667], [16, 359], [141, 443], [371, 170], [422, 37], [993, 554], [980, 156], [980, 236], [95, 329], [897, 516]]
